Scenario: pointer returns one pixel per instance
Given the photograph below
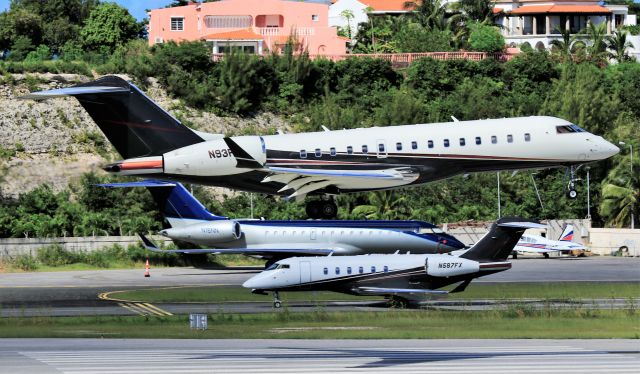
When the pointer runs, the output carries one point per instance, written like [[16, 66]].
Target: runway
[[76, 293], [114, 356]]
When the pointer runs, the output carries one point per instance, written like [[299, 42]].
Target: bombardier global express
[[398, 276], [326, 163], [274, 240]]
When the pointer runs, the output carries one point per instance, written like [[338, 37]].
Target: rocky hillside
[[55, 141]]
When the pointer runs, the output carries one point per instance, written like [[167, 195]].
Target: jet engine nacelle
[[448, 266], [212, 157], [208, 232]]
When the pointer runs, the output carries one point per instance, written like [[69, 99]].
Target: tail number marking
[[219, 153], [449, 265]]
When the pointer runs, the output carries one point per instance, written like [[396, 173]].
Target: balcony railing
[[278, 31]]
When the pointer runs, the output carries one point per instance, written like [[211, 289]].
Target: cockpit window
[[278, 266], [272, 267], [566, 129]]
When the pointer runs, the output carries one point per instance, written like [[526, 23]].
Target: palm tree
[[429, 13], [383, 205], [620, 195], [478, 10], [596, 35], [348, 15], [567, 45], [618, 44]]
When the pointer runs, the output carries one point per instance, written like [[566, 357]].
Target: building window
[[399, 146], [227, 22], [361, 270], [527, 137], [446, 142], [365, 149], [337, 270], [348, 269], [462, 142], [509, 138], [414, 145], [494, 139], [332, 151], [478, 140], [314, 17], [318, 152], [430, 144], [177, 23], [350, 150], [303, 153], [325, 271]]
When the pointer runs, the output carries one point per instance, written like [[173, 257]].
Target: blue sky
[[136, 7]]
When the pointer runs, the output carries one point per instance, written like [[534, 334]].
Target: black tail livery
[[133, 123], [498, 243]]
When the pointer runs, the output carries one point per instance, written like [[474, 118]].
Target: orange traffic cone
[[146, 270]]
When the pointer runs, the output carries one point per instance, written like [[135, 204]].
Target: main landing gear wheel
[[277, 304], [322, 209]]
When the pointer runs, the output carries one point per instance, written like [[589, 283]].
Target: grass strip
[[516, 322], [562, 291]]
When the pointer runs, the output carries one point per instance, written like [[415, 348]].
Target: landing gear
[[514, 255], [571, 186], [277, 304], [398, 302], [326, 209], [546, 255]]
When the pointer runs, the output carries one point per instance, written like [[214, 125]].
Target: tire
[[572, 194], [277, 304], [314, 209], [546, 255], [329, 210], [514, 255]]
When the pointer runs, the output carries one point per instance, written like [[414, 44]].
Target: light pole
[[588, 195], [630, 179], [499, 213]]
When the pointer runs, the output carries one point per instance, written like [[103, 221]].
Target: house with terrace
[[251, 26]]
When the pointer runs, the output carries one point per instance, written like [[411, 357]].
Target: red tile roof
[[388, 5], [244, 34], [538, 9]]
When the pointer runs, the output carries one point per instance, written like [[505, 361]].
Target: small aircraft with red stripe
[[544, 246]]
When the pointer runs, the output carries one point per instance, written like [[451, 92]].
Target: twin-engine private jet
[[402, 277], [541, 245], [191, 222], [327, 163]]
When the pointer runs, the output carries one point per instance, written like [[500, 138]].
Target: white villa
[[536, 22]]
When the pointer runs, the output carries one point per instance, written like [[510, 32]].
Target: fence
[[400, 60]]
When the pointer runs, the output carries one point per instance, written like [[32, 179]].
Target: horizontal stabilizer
[[73, 91], [393, 291], [146, 183]]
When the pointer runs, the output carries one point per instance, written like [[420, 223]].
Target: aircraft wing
[[148, 244], [303, 181], [395, 291]]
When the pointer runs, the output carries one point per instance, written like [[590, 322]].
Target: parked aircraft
[[399, 276], [327, 163], [544, 246], [191, 222]]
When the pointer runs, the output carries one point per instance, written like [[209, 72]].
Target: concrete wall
[[10, 247], [609, 241]]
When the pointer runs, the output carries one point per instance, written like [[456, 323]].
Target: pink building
[[253, 26]]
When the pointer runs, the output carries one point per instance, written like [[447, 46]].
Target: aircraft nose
[[607, 149], [163, 233], [254, 282]]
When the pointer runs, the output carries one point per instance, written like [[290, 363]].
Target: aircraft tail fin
[[567, 234], [174, 201], [133, 123], [499, 242]]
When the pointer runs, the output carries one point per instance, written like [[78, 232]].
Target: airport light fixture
[[630, 178]]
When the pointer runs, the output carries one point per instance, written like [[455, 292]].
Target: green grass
[[516, 322], [566, 290]]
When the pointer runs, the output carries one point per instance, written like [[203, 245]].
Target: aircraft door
[[305, 272], [381, 148]]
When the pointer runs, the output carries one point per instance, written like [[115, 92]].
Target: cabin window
[[386, 269], [381, 147], [462, 142], [177, 23], [478, 140], [414, 145], [509, 138], [373, 269], [365, 149], [350, 150], [361, 270], [446, 142], [527, 137], [325, 271], [399, 146], [337, 270], [318, 152], [332, 150], [494, 139], [348, 269], [430, 144], [303, 153]]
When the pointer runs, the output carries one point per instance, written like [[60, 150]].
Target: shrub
[[25, 262], [485, 38], [56, 255]]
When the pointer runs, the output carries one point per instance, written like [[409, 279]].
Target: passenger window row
[[414, 145], [337, 270]]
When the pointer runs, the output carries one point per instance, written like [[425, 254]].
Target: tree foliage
[[109, 25]]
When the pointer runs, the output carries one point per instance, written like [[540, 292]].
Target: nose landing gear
[[571, 186], [326, 209], [277, 303]]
